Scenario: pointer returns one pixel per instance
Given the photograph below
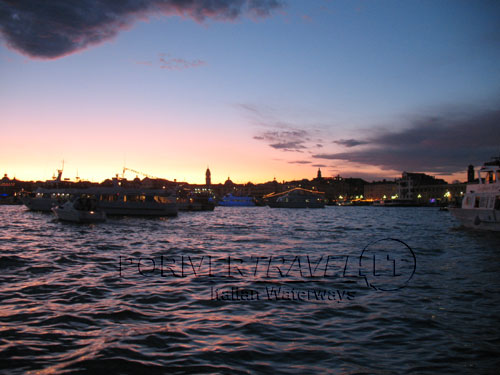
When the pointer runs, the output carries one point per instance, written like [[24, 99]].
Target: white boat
[[44, 199], [80, 210], [114, 200], [481, 203], [231, 200], [296, 198], [135, 201]]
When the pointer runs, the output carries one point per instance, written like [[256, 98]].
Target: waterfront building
[[379, 190], [408, 182]]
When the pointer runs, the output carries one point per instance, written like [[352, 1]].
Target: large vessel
[[134, 201], [114, 200], [296, 198], [481, 203]]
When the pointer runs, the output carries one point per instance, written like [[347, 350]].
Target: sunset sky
[[253, 89]]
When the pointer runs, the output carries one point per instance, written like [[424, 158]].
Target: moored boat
[[296, 198], [481, 203], [194, 200], [135, 202], [231, 200], [44, 199], [114, 200]]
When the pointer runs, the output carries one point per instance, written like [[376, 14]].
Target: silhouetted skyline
[[256, 90]]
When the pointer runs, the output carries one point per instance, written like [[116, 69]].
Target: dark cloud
[[350, 142], [54, 28], [294, 145], [300, 162], [319, 165], [282, 134], [286, 139], [439, 144]]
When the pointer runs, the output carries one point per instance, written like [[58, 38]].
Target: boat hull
[[233, 201], [39, 204], [75, 216], [482, 219]]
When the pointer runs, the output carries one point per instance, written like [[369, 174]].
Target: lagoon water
[[249, 290]]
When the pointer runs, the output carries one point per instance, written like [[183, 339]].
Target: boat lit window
[[161, 199]]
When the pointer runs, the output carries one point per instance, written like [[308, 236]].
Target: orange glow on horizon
[[173, 149]]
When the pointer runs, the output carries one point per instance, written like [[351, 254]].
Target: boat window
[[484, 202], [490, 177], [497, 202], [108, 197], [476, 204], [161, 199]]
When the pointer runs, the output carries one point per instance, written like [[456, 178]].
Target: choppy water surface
[[231, 291]]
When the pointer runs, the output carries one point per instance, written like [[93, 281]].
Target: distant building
[[409, 181], [208, 178], [228, 186], [424, 188], [259, 190], [319, 174], [439, 193], [380, 190], [10, 190]]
